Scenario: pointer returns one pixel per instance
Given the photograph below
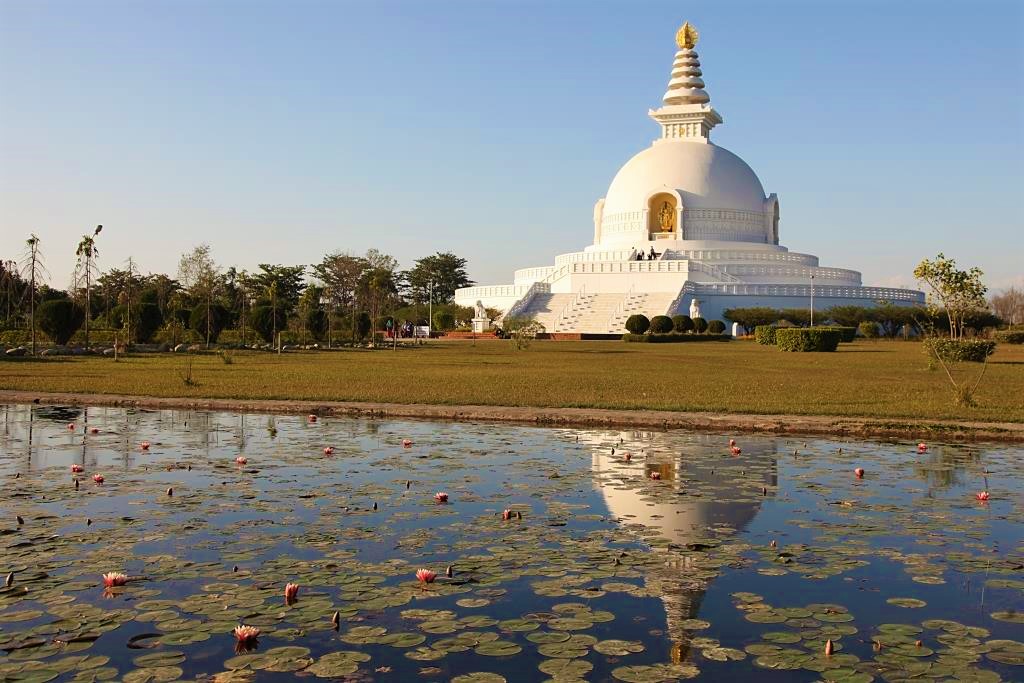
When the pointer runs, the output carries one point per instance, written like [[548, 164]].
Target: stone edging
[[901, 428]]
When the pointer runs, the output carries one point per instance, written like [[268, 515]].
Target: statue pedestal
[[481, 325]]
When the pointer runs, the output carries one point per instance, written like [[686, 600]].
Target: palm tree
[[86, 253]]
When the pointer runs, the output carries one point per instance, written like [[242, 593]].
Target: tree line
[[343, 297]]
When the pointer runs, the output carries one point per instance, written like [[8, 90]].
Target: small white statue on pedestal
[[695, 308], [481, 323]]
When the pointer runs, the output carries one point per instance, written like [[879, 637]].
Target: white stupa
[[702, 212]]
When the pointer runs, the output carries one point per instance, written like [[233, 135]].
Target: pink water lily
[[406, 443], [291, 591], [71, 426], [144, 445], [94, 430], [241, 460], [628, 457], [111, 579], [506, 514], [732, 442], [859, 472], [311, 417], [328, 450], [441, 497], [829, 648], [246, 634], [981, 495], [736, 450], [77, 468], [98, 478], [922, 447], [425, 576], [655, 475]]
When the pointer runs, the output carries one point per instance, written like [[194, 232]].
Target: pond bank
[[902, 428]]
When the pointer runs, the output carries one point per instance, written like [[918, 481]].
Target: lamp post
[[812, 301]]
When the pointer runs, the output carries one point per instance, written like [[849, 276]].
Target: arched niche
[[662, 215]]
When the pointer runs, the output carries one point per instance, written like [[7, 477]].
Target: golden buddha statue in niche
[[667, 217]]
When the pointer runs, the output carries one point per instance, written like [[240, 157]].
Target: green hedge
[[847, 334], [638, 323], [807, 339], [953, 350], [765, 334], [674, 338], [1010, 336]]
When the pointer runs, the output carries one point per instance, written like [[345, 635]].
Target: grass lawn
[[880, 379]]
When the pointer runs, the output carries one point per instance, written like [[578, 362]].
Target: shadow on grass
[[34, 359]]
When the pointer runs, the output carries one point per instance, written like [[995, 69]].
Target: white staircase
[[645, 303], [546, 308], [588, 313]]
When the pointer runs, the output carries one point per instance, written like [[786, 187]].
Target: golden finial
[[687, 36]]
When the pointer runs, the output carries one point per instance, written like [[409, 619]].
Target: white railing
[[530, 275], [620, 308], [488, 291], [714, 271], [823, 291], [568, 307], [518, 307]]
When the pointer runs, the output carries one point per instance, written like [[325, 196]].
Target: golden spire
[[687, 36]]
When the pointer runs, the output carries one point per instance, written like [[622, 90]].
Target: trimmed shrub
[[1010, 336], [868, 329], [444, 321], [682, 323], [218, 320], [716, 327], [674, 338], [807, 339], [638, 324], [700, 325], [661, 324], [765, 334], [953, 350], [59, 319], [846, 334]]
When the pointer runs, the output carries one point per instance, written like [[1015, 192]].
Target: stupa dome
[[705, 176]]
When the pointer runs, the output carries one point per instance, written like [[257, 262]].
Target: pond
[[559, 554]]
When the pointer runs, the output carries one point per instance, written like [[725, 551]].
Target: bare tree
[[85, 268], [1009, 305], [200, 275], [32, 269]]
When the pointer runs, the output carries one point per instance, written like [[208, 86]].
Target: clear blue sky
[[278, 131]]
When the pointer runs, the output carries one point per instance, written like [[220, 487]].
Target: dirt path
[[902, 428]]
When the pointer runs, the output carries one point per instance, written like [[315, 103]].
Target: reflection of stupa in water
[[703, 492]]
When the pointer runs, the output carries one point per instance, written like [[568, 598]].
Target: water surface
[[682, 560]]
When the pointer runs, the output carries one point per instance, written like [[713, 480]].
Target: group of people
[[652, 255]]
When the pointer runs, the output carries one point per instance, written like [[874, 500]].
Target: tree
[[716, 327], [444, 321], [340, 273], [209, 319], [378, 289], [33, 269], [148, 321], [958, 291], [60, 319], [267, 319], [445, 270], [312, 318], [847, 316], [1009, 305], [200, 275], [700, 325], [85, 270], [892, 318], [522, 331], [798, 316], [751, 317]]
